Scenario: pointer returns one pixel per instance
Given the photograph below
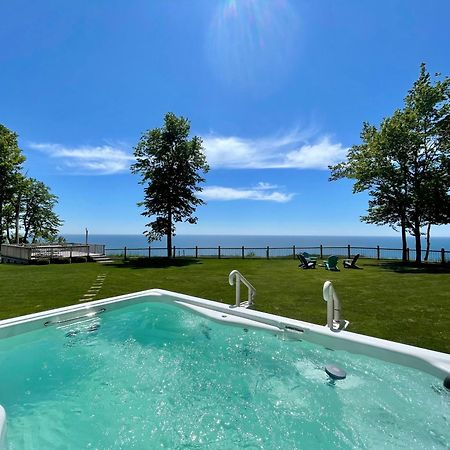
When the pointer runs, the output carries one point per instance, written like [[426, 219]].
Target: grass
[[386, 299]]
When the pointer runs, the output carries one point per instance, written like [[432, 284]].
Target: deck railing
[[16, 252], [59, 251], [243, 252], [28, 252]]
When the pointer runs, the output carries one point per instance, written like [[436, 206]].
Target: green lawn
[[385, 299]]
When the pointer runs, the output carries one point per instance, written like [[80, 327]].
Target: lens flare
[[253, 43]]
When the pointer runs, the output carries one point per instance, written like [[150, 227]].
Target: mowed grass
[[386, 299]]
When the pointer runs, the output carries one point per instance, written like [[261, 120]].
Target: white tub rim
[[431, 361]]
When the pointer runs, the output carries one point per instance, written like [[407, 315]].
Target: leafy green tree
[[377, 166], [428, 105], [404, 163], [170, 165], [11, 160], [40, 222]]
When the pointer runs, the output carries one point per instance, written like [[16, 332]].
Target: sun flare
[[253, 43]]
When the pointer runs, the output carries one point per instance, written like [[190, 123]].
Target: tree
[[11, 160], [377, 166], [8, 221], [38, 216], [21, 184], [428, 105], [169, 164], [404, 163]]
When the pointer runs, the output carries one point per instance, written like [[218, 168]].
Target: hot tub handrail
[[334, 322], [89, 314], [237, 278]]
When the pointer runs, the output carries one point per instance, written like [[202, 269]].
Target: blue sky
[[277, 89]]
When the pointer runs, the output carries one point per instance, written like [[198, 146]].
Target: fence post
[[196, 252], [125, 253], [321, 251], [70, 254], [443, 255], [349, 252], [293, 252], [149, 252], [174, 250], [407, 254], [378, 252], [243, 252], [218, 251], [267, 252]]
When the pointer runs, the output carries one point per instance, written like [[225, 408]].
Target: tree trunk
[[25, 235], [418, 241], [427, 253], [19, 199], [404, 240], [1, 220], [169, 233]]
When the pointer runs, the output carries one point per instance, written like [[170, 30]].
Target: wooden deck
[[24, 254]]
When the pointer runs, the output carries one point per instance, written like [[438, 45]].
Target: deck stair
[[102, 259]]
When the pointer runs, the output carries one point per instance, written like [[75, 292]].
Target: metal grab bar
[[90, 314], [334, 322], [236, 277]]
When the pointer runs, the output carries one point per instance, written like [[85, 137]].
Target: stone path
[[94, 289]]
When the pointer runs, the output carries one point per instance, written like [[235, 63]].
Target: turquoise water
[[156, 376]]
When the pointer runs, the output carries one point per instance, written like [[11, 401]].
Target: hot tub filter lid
[[447, 382], [335, 372]]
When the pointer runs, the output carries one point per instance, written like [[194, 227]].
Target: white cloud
[[290, 151], [293, 150], [265, 186], [102, 160], [262, 192], [316, 156]]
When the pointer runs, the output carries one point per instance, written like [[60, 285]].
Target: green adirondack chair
[[331, 263]]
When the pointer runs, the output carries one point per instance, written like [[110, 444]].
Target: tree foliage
[[404, 164], [26, 204], [11, 160], [38, 217], [170, 165]]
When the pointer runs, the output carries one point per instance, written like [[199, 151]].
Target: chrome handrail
[[90, 314], [236, 277]]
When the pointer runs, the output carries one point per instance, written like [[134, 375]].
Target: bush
[[79, 259], [59, 260], [40, 262]]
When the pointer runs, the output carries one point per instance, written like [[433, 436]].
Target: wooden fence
[[243, 252]]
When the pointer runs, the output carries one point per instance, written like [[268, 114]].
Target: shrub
[[59, 260], [79, 259], [40, 261]]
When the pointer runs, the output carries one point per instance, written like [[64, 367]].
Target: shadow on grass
[[155, 263], [411, 267]]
